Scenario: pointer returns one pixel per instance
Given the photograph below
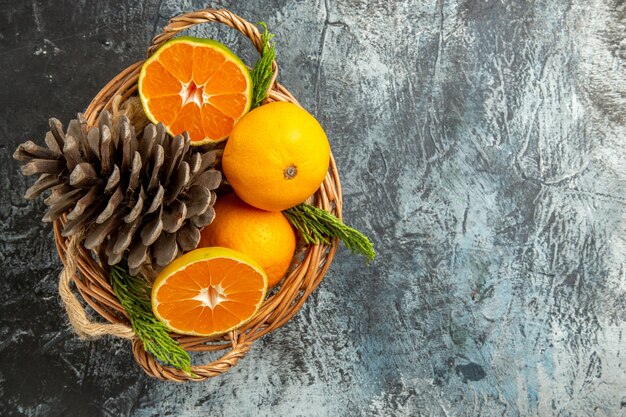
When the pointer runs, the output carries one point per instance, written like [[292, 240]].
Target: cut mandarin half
[[208, 292], [195, 85]]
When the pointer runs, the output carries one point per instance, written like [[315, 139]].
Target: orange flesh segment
[[189, 119], [161, 108], [204, 95], [176, 60], [214, 122], [207, 63], [161, 82], [231, 105], [227, 80], [210, 296]]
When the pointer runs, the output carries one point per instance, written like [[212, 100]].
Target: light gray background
[[480, 146]]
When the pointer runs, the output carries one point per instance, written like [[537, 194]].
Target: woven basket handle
[[224, 16], [168, 373]]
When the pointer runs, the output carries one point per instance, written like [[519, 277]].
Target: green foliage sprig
[[134, 294], [319, 226], [262, 72], [316, 225]]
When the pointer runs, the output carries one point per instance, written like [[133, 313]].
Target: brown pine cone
[[147, 198]]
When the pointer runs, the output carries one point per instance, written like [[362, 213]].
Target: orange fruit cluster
[[276, 157]]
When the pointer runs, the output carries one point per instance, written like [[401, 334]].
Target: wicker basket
[[91, 278]]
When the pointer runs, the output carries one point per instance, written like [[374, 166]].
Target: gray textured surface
[[481, 146]]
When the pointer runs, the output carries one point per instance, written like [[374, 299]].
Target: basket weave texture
[[91, 279]]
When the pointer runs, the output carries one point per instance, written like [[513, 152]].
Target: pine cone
[[146, 197]]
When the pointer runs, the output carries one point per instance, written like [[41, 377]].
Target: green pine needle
[[262, 71], [316, 225], [134, 294], [319, 226]]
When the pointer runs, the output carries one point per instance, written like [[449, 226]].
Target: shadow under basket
[[91, 279]]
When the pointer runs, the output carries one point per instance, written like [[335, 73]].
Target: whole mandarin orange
[[276, 156], [267, 237]]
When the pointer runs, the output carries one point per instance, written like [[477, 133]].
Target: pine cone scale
[[60, 204], [165, 249], [116, 198], [152, 230], [113, 181], [106, 150], [29, 150], [208, 160], [100, 233], [53, 144], [188, 237], [86, 201], [147, 143], [125, 235], [209, 179], [58, 193], [137, 208], [71, 153], [157, 200], [56, 129], [75, 130], [42, 166], [174, 217], [83, 176], [137, 255], [194, 165], [127, 148], [93, 139], [134, 174], [157, 163], [176, 149], [74, 226], [179, 182], [112, 257], [46, 181], [200, 202], [203, 219]]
